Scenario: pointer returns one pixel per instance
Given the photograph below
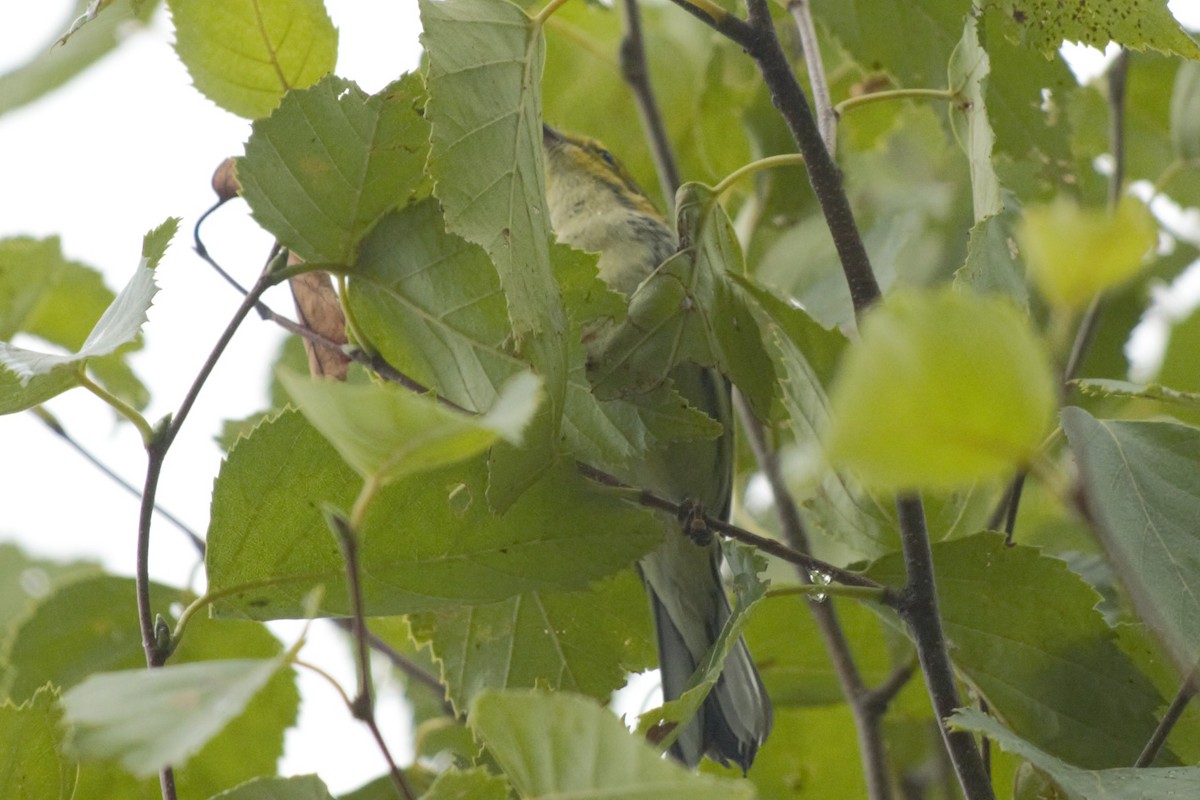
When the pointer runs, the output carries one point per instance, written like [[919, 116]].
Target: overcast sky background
[[98, 163]]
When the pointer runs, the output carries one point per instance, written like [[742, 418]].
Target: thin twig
[[868, 717], [55, 426], [827, 118], [156, 451], [636, 73], [363, 704], [772, 547], [401, 662], [1187, 690], [882, 695]]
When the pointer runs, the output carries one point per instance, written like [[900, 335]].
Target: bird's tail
[[689, 615]]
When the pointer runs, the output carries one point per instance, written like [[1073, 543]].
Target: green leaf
[[1026, 95], [433, 307], [909, 39], [119, 325], [21, 394], [807, 754], [969, 70], [98, 616], [688, 310], [44, 294], [149, 719], [994, 264], [299, 787], [584, 642], [1143, 486], [32, 764], [1100, 387], [1136, 24], [51, 66], [388, 433], [1023, 630], [795, 671], [1073, 253], [244, 55], [485, 62], [1185, 111], [26, 581], [968, 387], [331, 160], [1126, 783], [1179, 367], [812, 351], [471, 784], [428, 542], [551, 745]]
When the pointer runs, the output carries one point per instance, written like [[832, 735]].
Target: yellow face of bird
[[579, 161], [595, 206]]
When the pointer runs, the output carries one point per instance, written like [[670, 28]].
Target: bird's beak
[[550, 136]]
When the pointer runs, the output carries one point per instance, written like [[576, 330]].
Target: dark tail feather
[[736, 716]]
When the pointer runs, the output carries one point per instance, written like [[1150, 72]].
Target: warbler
[[595, 205]]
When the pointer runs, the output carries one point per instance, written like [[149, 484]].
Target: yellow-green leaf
[[945, 388], [1072, 252], [388, 432], [245, 54]]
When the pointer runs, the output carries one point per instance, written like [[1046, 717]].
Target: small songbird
[[595, 206]]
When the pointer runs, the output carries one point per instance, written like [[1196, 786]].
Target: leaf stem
[[770, 162], [833, 590], [120, 406], [851, 103], [540, 18], [358, 512], [827, 117]]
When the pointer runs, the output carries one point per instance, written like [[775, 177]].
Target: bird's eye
[[608, 158]]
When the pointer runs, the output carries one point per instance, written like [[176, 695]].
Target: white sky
[[99, 163]]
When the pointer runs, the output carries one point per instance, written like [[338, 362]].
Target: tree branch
[[919, 609], [868, 716], [637, 74], [823, 173], [919, 605]]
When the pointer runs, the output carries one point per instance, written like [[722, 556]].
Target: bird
[[595, 205]]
